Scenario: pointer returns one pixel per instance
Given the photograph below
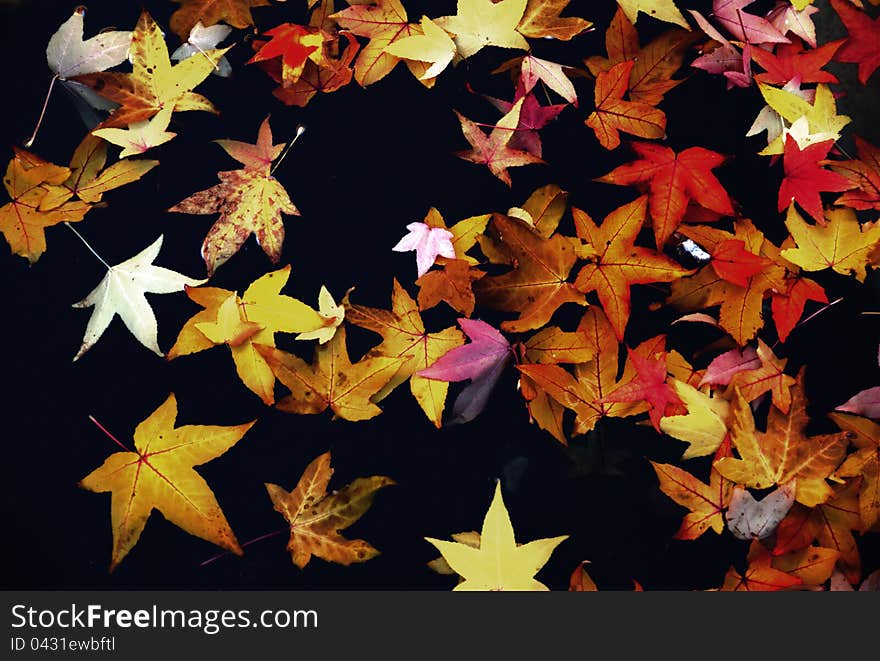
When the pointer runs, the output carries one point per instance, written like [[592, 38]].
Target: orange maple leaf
[[783, 453], [673, 179], [619, 263], [613, 114], [538, 283]]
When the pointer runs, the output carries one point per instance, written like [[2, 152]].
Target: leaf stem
[[268, 535], [111, 436], [299, 131], [33, 137], [86, 244]]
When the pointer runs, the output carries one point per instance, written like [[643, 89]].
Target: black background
[[370, 162]]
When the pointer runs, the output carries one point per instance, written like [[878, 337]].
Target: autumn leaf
[[864, 174], [805, 178], [649, 384], [236, 13], [295, 45], [703, 427], [538, 284], [749, 519], [316, 516], [732, 262], [428, 242], [140, 136], [481, 362], [865, 402], [331, 313], [22, 221], [453, 284], [251, 319], [783, 453], [433, 46], [842, 244], [613, 114], [861, 45], [154, 82], [479, 23], [332, 380], [493, 150], [760, 575], [769, 377], [250, 201], [584, 391], [328, 72], [201, 39], [121, 292], [89, 179], [69, 55], [392, 37], [160, 475], [792, 60], [741, 307], [654, 65], [744, 26], [498, 564], [813, 565], [673, 180], [662, 10], [726, 365], [543, 209], [405, 339], [788, 305], [821, 118], [619, 263], [541, 19], [706, 502], [865, 461], [465, 233], [795, 20]]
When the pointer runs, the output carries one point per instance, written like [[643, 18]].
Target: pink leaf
[[866, 403], [428, 242], [487, 348], [746, 27], [721, 370]]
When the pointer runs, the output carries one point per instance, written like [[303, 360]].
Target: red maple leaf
[[793, 60], [650, 383], [788, 307], [732, 262], [294, 44], [805, 177], [864, 36], [674, 179]]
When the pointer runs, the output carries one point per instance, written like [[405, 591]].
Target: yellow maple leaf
[[498, 564], [153, 83], [704, 426], [821, 115], [140, 136], [242, 322], [843, 244], [332, 380], [662, 10], [404, 337], [22, 221], [480, 23], [89, 179], [316, 517], [434, 47], [159, 475]]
